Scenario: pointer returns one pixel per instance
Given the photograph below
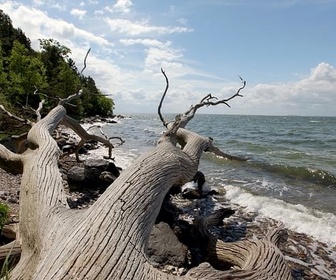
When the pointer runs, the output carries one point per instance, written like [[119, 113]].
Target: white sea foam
[[315, 223], [122, 158]]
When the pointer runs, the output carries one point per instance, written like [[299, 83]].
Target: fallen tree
[[109, 240]]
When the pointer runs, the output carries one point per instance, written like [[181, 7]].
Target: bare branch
[[218, 152], [69, 98], [87, 53], [9, 161], [85, 136], [163, 96], [24, 121], [207, 101], [182, 120], [119, 138], [39, 109], [102, 132], [105, 135]]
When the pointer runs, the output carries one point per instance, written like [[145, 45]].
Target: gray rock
[[76, 174], [94, 167], [13, 200], [107, 177], [164, 247]]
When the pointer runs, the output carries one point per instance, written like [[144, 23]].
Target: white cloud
[[123, 6], [183, 21], [313, 95], [51, 4], [128, 27], [39, 2], [323, 71], [145, 42], [159, 55], [78, 13], [136, 83], [166, 58], [36, 24]]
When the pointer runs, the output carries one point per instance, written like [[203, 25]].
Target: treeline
[[28, 76]]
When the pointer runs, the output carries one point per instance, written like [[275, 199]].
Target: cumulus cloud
[[123, 6], [164, 57], [324, 71], [135, 28], [37, 24], [78, 13], [312, 95]]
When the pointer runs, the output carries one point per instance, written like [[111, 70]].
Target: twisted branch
[[164, 122], [182, 120]]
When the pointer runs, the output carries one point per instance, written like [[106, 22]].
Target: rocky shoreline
[[307, 258]]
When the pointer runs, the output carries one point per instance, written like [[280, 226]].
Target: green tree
[[105, 105], [51, 71], [62, 75], [3, 74], [26, 74], [8, 34], [3, 79], [94, 102], [53, 54]]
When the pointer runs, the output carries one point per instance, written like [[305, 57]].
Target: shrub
[[4, 215]]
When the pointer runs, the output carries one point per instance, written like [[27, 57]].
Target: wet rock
[[169, 212]]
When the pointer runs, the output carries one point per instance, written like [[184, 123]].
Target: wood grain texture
[[109, 240]]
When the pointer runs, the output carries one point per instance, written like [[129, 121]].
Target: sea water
[[289, 174]]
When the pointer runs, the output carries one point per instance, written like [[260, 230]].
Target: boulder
[[76, 174], [94, 167], [96, 174], [164, 247]]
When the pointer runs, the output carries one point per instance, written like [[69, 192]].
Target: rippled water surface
[[291, 160]]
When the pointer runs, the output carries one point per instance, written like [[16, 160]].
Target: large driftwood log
[[109, 240]]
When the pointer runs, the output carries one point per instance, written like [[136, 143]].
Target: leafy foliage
[[49, 73], [4, 215], [26, 73]]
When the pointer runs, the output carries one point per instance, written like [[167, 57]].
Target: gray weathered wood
[[108, 240]]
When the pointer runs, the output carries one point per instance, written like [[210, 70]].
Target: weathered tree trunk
[[108, 240]]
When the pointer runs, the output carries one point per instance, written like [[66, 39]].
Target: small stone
[[13, 200]]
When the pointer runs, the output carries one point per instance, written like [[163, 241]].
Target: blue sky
[[285, 50]]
